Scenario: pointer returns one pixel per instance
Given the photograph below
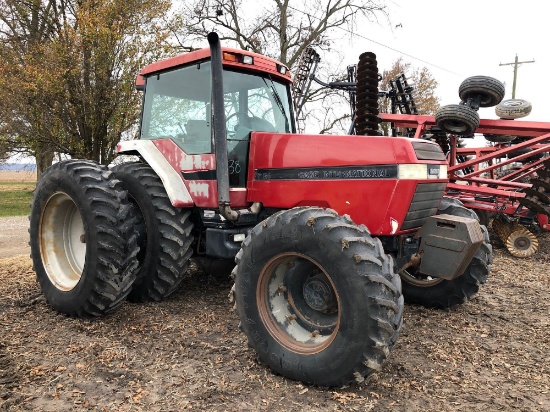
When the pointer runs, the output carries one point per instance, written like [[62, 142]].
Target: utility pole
[[516, 64]]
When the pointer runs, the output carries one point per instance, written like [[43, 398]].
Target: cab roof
[[231, 58]]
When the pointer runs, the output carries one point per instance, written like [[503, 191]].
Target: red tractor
[[322, 228]]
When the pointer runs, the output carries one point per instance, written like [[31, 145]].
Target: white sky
[[469, 38]]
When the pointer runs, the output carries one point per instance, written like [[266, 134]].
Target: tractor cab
[[177, 103]]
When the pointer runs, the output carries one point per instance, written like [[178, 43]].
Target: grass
[[15, 198]]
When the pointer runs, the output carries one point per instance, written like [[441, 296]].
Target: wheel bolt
[[290, 318], [281, 289], [83, 238], [315, 333]]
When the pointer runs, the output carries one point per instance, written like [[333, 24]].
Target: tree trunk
[[44, 159]]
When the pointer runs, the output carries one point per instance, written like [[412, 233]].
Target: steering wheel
[[241, 115]]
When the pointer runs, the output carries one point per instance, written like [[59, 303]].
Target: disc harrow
[[507, 179], [517, 239], [367, 95], [501, 228], [521, 242]]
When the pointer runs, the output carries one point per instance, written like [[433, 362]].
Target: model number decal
[[234, 167], [324, 173]]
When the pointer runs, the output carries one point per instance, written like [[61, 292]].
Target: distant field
[[19, 176], [16, 192]]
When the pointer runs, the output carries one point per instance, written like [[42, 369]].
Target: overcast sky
[[466, 38]]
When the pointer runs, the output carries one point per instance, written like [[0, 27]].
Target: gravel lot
[[14, 236]]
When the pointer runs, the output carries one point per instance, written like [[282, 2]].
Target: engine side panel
[[354, 175]]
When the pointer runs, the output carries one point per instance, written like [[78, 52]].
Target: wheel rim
[[488, 99], [298, 303], [512, 104], [455, 126], [62, 241], [419, 279]]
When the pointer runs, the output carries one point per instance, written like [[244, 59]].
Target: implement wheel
[[489, 90], [457, 119], [499, 138], [83, 243], [513, 109], [164, 233], [440, 293], [317, 297]]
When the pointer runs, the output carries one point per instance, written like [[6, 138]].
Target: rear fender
[[171, 179]]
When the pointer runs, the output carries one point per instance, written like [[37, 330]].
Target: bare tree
[[424, 88], [283, 29]]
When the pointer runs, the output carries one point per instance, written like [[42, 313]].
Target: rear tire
[[164, 233], [317, 297], [457, 119], [440, 293], [83, 243]]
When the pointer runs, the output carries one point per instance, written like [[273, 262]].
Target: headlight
[[422, 171]]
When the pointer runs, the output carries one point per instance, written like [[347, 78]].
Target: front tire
[[440, 293], [164, 233], [317, 297], [83, 243]]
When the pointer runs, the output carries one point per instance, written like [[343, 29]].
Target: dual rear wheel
[[83, 243], [100, 237]]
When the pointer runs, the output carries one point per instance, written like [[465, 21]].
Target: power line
[[516, 64], [380, 44]]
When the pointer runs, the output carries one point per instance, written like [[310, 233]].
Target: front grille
[[427, 151], [424, 204]]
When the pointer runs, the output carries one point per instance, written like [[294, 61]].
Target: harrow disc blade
[[541, 185], [534, 203], [502, 229], [521, 242]]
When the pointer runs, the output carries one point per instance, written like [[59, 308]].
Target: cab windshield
[[177, 106]]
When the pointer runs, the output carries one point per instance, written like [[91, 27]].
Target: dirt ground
[[489, 354]]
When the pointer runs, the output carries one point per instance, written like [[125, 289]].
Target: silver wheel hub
[[62, 241]]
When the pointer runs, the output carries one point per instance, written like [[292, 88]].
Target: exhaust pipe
[[219, 131], [219, 134]]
